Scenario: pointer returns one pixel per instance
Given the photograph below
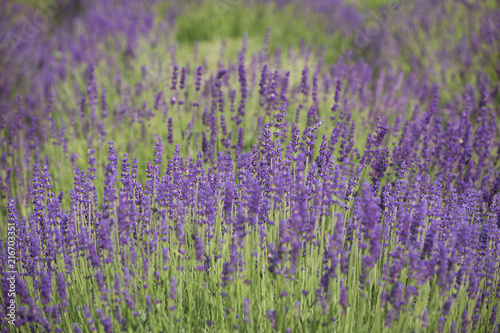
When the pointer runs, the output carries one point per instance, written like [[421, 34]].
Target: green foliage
[[289, 25]]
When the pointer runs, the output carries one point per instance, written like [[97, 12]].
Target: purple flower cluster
[[225, 194]]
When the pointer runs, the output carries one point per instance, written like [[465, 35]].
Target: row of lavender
[[318, 225], [407, 31], [224, 229], [460, 145]]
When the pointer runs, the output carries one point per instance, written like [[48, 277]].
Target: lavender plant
[[150, 184]]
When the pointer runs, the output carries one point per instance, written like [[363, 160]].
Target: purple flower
[[61, 286], [173, 288], [447, 306], [221, 73], [105, 321], [246, 309], [170, 136], [76, 328], [46, 288], [198, 76], [200, 248], [343, 296], [465, 321], [183, 78], [271, 315], [158, 100], [389, 317], [262, 84], [338, 88], [304, 89], [228, 200], [174, 78], [128, 299], [441, 324], [493, 315], [88, 315]]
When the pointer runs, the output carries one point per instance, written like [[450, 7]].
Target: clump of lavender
[[356, 216]]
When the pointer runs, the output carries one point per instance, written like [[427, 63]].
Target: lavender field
[[249, 166]]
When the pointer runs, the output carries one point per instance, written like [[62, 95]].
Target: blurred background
[[448, 37]]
